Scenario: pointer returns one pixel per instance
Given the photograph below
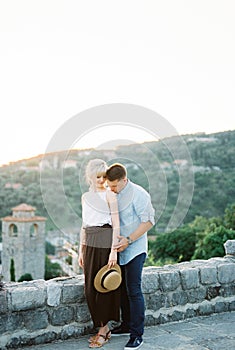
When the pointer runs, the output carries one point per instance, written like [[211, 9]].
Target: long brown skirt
[[103, 307]]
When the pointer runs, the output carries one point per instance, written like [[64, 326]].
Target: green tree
[[229, 217], [25, 277], [50, 248], [69, 259], [212, 243], [12, 270], [177, 246], [52, 270]]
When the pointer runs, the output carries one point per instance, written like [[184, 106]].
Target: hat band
[[104, 276]]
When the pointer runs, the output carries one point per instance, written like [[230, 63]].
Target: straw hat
[[108, 279]]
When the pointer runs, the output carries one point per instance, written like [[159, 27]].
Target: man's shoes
[[120, 330], [134, 343]]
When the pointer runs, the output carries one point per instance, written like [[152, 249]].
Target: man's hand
[[122, 244]]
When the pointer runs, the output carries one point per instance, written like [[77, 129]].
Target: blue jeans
[[132, 300]]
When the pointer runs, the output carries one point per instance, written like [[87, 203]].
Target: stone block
[[26, 298], [15, 322], [18, 342], [208, 274], [190, 312], [164, 318], [3, 323], [62, 316], [82, 314], [231, 305], [150, 282], [34, 320], [221, 307], [229, 247], [227, 290], [46, 337], [14, 342], [226, 273], [160, 318], [3, 302], [149, 320], [73, 293], [67, 332], [205, 308], [216, 261], [169, 280], [155, 301], [53, 293], [189, 278], [177, 315], [178, 298], [196, 295]]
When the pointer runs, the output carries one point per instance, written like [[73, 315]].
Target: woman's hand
[[112, 258], [80, 260]]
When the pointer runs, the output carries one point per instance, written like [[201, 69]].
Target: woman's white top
[[95, 209]]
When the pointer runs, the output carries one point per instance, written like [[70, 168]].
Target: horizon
[[42, 154]]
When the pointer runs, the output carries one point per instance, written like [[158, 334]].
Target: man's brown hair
[[116, 171]]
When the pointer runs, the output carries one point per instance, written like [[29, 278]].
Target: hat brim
[[98, 278]]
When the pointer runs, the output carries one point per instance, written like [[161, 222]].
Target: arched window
[[13, 230], [33, 230]]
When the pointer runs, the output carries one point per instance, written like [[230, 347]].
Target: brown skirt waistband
[[99, 236]]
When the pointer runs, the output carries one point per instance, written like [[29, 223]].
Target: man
[[136, 218]]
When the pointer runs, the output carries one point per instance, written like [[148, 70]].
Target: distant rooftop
[[23, 207]]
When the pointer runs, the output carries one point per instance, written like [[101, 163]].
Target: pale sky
[[61, 57]]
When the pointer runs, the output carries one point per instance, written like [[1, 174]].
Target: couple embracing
[[116, 216]]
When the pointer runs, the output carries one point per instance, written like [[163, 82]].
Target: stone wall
[[43, 311]]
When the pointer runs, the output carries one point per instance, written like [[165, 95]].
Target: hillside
[[206, 160]]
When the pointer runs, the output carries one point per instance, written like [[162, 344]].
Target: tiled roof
[[23, 207], [32, 219]]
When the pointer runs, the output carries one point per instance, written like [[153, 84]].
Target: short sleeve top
[[95, 209]]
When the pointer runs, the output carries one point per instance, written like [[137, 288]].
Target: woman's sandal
[[95, 343], [93, 337]]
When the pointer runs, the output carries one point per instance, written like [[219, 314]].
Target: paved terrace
[[215, 332]]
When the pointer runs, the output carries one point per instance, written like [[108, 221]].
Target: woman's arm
[[81, 247], [81, 243], [113, 205]]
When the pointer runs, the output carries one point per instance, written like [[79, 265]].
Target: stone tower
[[23, 244]]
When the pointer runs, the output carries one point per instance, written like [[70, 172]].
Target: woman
[[99, 233]]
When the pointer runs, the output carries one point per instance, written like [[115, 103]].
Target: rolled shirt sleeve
[[143, 207]]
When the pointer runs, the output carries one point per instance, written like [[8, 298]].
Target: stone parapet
[[43, 311], [189, 289]]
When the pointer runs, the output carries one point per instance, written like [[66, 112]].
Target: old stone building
[[23, 244]]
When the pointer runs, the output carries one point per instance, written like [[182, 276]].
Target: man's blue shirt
[[134, 205]]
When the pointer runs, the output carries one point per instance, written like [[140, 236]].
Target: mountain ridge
[[158, 166]]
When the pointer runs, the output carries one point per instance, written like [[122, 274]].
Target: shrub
[[25, 277], [177, 246], [52, 270], [12, 270], [212, 244]]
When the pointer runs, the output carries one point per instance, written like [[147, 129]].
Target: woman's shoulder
[[93, 194], [86, 195], [111, 195]]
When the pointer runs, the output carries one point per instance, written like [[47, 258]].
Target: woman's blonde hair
[[95, 167]]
